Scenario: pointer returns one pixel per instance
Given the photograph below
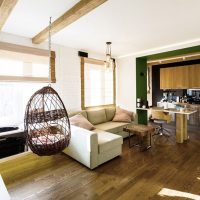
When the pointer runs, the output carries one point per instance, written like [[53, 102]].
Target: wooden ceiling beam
[[80, 9], [6, 7]]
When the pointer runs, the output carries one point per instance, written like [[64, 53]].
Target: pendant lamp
[[109, 63], [46, 122]]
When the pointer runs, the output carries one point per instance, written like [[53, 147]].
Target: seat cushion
[[108, 141], [97, 116], [113, 127], [159, 121]]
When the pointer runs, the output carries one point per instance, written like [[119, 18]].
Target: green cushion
[[97, 116]]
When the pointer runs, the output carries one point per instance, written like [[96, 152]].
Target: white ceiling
[[131, 25]]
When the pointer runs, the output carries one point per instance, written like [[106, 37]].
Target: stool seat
[[159, 121]]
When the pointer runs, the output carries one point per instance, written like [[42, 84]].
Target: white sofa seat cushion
[[108, 141], [113, 127]]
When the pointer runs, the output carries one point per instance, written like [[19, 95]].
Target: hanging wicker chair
[[47, 126]]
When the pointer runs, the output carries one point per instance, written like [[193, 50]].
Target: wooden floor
[[135, 175]]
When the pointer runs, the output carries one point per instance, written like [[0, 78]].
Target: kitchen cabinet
[[174, 78], [182, 77], [194, 74], [166, 78]]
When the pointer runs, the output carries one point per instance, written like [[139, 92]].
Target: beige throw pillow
[[80, 121], [122, 115]]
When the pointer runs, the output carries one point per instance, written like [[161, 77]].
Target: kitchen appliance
[[193, 96], [139, 103], [170, 96], [165, 97], [177, 99]]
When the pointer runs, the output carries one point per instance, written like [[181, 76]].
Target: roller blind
[[20, 63], [98, 85]]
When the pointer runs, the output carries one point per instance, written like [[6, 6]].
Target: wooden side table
[[143, 134]]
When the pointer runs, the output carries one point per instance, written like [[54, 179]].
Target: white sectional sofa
[[95, 147]]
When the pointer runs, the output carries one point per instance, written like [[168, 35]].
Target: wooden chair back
[[161, 115]]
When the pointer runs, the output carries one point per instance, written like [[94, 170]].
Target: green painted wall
[[141, 86], [177, 52]]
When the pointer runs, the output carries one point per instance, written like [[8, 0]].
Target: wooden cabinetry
[[182, 77], [194, 74], [174, 78], [166, 78]]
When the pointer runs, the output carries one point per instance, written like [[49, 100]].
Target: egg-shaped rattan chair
[[46, 123]]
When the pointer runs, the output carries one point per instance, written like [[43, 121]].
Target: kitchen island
[[194, 119], [181, 121]]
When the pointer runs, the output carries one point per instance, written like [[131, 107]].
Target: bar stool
[[160, 129], [159, 119]]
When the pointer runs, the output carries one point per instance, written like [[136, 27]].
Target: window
[[98, 83], [18, 66], [20, 63], [13, 101]]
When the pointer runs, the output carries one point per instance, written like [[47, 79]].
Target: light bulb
[[108, 57]]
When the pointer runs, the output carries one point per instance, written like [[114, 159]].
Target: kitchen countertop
[[170, 110], [180, 103]]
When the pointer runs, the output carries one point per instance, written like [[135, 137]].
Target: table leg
[[149, 139], [185, 132], [129, 140], [181, 128]]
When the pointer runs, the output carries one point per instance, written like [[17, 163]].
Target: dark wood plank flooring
[[135, 175]]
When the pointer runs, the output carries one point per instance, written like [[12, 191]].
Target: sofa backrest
[[97, 116], [82, 112], [110, 113]]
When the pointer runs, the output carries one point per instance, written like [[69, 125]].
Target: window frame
[[34, 51], [96, 62]]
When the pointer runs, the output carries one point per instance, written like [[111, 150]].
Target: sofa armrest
[[83, 146]]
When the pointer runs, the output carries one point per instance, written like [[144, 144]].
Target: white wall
[[68, 83], [126, 83]]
